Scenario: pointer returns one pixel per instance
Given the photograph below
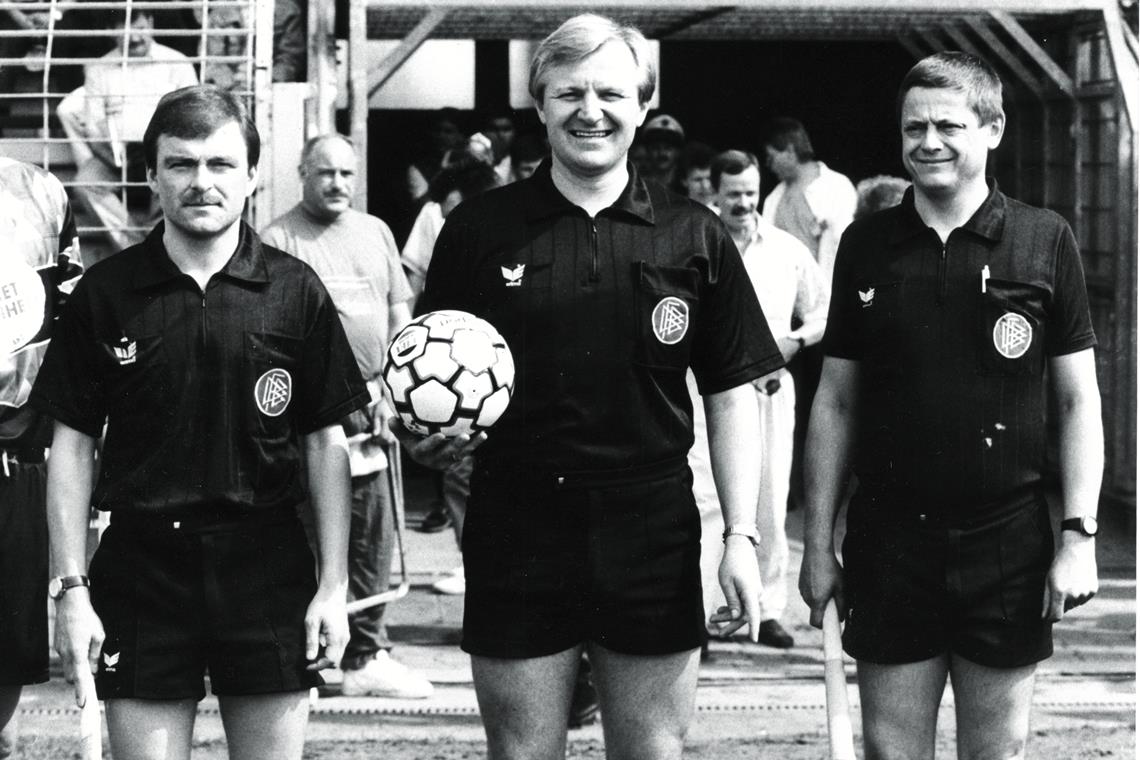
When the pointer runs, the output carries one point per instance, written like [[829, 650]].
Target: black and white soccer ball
[[449, 372]]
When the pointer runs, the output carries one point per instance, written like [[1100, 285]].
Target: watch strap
[[69, 582], [1078, 524], [747, 530]]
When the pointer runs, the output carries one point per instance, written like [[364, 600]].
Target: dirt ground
[[1084, 743]]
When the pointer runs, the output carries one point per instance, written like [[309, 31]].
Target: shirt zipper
[[942, 273], [595, 275]]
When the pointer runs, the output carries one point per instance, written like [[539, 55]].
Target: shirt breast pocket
[[272, 364], [1010, 328], [666, 299]]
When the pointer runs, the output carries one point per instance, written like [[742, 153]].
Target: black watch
[[1086, 526], [57, 587]]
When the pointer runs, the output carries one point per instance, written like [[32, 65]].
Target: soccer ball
[[449, 372]]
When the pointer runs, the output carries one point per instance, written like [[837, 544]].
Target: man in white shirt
[[789, 285], [105, 119]]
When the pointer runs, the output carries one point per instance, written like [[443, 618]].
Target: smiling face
[[944, 145], [737, 198], [592, 111], [202, 184], [328, 179]]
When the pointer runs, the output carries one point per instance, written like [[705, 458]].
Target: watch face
[[1088, 526], [55, 588]]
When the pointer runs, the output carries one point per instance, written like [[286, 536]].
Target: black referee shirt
[[205, 395], [951, 410], [603, 316]]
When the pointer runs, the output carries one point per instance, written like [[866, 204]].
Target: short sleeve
[[733, 345], [1070, 324], [399, 291], [841, 337], [68, 387]]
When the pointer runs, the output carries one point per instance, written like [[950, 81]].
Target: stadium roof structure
[[692, 20]]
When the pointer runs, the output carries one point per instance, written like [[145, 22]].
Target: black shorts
[[178, 602], [917, 590], [607, 558], [23, 575]]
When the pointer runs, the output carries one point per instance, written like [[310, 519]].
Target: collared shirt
[[41, 251], [951, 405], [603, 316], [127, 92], [788, 282], [831, 199], [205, 394]]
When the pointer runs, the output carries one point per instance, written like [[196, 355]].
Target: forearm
[[69, 481], [827, 457], [734, 443], [330, 491], [1081, 435]]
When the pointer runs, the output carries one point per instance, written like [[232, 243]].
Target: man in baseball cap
[[664, 138]]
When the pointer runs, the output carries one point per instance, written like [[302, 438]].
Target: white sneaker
[[452, 584], [384, 677]]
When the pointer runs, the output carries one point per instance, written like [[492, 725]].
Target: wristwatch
[[1086, 526], [799, 339], [742, 529], [59, 585]]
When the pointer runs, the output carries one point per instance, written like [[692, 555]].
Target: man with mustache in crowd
[[581, 533], [356, 257], [215, 369]]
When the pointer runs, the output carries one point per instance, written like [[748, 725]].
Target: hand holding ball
[[449, 372]]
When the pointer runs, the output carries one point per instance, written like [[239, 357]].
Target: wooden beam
[[358, 96], [410, 44], [1005, 55], [1123, 60], [320, 117], [930, 39], [691, 21], [1034, 51], [911, 46]]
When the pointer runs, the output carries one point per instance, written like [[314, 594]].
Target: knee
[[892, 745], [1011, 749], [659, 744]]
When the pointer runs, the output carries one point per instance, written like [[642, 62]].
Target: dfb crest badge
[[670, 320], [1012, 335], [273, 391]]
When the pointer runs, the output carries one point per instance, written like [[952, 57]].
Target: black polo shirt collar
[[156, 267], [546, 200], [987, 222]]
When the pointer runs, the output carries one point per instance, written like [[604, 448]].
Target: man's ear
[[996, 129]]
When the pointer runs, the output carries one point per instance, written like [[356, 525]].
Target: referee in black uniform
[[218, 366], [581, 529]]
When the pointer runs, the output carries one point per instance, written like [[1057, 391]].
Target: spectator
[[811, 202], [499, 127], [664, 139], [356, 257], [792, 293], [877, 193], [444, 134], [105, 120], [695, 174], [527, 152], [40, 263], [290, 41]]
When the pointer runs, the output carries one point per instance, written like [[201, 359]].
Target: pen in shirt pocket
[[985, 276]]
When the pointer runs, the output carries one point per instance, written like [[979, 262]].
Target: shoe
[[435, 521], [584, 702], [384, 677], [772, 634], [452, 584]]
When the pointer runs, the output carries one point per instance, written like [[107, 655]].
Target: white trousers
[[777, 424]]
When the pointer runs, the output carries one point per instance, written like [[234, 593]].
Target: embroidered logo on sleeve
[[111, 661], [126, 351], [1012, 335], [513, 277], [867, 297], [273, 391], [670, 320]]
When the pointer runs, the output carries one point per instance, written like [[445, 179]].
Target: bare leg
[[525, 704], [992, 706], [151, 729], [266, 726], [900, 708], [647, 702], [9, 700]]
